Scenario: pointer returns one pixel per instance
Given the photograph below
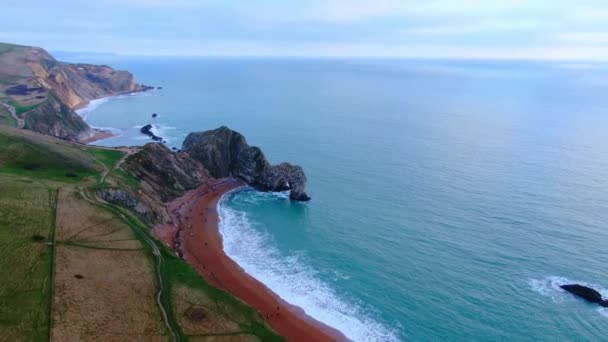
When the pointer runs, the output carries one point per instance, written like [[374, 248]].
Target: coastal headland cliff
[[164, 174], [39, 93], [225, 153], [173, 192]]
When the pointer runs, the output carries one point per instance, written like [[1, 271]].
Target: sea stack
[[586, 293], [147, 130], [225, 153]]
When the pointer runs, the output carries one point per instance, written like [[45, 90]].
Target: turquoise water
[[450, 199]]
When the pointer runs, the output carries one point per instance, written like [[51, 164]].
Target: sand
[[196, 238], [97, 135]]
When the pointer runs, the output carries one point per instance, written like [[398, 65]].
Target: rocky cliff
[[163, 174], [55, 118], [225, 153], [30, 77]]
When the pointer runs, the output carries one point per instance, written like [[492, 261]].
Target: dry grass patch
[[104, 279], [198, 314]]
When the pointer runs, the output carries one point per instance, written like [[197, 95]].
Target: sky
[[492, 29]]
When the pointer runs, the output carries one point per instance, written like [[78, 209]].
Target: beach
[[195, 236], [97, 135]]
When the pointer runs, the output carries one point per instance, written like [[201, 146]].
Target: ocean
[[450, 198]]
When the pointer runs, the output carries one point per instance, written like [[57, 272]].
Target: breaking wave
[[293, 280]]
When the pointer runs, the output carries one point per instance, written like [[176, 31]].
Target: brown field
[[104, 279]]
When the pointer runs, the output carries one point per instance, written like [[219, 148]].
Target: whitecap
[[294, 280]]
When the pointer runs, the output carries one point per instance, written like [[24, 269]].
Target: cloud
[[593, 38], [312, 27]]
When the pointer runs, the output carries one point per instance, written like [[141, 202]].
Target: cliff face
[[163, 174], [30, 77], [225, 153], [55, 118]]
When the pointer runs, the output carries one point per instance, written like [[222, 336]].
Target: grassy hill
[[78, 268]]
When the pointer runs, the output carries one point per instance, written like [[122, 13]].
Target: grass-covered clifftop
[[77, 268]]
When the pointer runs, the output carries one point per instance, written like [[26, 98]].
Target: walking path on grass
[[162, 298]]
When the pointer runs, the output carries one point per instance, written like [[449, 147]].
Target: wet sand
[[196, 238]]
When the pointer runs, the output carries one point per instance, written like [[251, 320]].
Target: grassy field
[[76, 268], [26, 225], [204, 311], [104, 278], [6, 118], [108, 157], [28, 154], [19, 108]]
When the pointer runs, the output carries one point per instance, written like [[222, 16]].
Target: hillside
[[38, 92], [78, 268]]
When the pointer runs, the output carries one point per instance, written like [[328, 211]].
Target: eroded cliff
[[226, 153], [163, 176], [35, 84]]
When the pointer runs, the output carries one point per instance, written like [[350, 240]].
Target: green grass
[[247, 318], [6, 118], [32, 168], [125, 178], [26, 222], [107, 157], [23, 156], [19, 108]]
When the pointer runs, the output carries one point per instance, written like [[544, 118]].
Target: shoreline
[[195, 236], [98, 133]]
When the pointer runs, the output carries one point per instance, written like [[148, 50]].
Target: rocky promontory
[[163, 175], [226, 153], [44, 93]]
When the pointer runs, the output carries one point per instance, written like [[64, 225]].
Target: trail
[[158, 257], [53, 204], [20, 121]]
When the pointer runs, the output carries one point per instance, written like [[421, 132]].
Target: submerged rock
[[225, 153], [586, 293]]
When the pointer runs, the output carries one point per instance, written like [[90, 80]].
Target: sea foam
[[293, 280], [550, 287], [91, 106]]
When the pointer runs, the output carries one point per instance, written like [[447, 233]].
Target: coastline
[[195, 236], [99, 133]]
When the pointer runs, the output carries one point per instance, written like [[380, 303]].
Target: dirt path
[[20, 121], [158, 258], [128, 151]]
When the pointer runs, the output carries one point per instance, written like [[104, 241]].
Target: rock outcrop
[[147, 130], [125, 199], [586, 293], [55, 118], [225, 153], [164, 175]]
